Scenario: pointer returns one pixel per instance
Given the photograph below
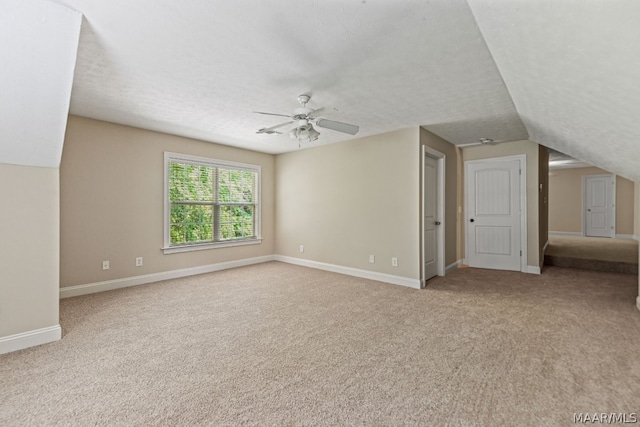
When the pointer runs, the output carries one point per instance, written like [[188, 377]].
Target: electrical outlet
[[139, 261], [301, 248], [105, 265], [372, 259], [394, 262]]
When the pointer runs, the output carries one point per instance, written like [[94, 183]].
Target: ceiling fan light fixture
[[485, 140], [313, 134], [304, 133]]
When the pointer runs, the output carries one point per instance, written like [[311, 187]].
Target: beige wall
[[636, 228], [530, 149], [625, 206], [543, 200], [565, 200], [111, 181], [636, 216], [452, 218], [347, 201], [29, 248]]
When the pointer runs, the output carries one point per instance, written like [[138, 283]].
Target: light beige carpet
[[276, 344]]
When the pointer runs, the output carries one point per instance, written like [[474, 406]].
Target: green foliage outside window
[[210, 204]]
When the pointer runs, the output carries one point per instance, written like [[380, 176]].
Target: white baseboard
[[638, 303], [565, 233], [626, 236], [532, 269], [30, 339], [453, 266], [90, 288], [545, 246], [365, 274]]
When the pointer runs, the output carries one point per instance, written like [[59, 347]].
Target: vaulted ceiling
[[563, 73]]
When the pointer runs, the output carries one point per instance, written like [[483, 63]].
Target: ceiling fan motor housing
[[303, 99], [302, 113]]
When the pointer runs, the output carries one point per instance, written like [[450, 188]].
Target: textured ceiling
[[572, 68], [559, 72], [200, 68]]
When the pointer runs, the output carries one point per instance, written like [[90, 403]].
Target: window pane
[[190, 182], [178, 213], [224, 195], [237, 222], [236, 186], [177, 233], [191, 224]]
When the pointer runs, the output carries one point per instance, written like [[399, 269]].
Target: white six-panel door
[[599, 208], [494, 222]]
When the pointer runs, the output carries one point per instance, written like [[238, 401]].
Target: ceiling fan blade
[[325, 111], [271, 114], [338, 126], [317, 112], [272, 128]]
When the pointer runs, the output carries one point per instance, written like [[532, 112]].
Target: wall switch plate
[[394, 262], [301, 248], [372, 259], [105, 265], [139, 261]]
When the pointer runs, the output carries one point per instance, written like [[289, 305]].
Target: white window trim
[[205, 161]]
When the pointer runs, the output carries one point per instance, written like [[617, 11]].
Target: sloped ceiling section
[[200, 68], [572, 68], [39, 46]]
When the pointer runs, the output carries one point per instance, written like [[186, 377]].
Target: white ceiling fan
[[305, 118]]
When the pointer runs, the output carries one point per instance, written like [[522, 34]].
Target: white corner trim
[[453, 266], [30, 339], [90, 288], [349, 271], [533, 269], [545, 246], [625, 236], [565, 233]]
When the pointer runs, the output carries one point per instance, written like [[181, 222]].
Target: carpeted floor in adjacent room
[[277, 344], [593, 253]]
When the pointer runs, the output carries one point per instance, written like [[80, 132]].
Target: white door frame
[[613, 202], [522, 158], [440, 157]]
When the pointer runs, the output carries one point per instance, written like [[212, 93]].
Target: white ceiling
[[572, 68], [200, 68]]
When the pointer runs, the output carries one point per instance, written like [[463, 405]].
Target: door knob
[[589, 210], [437, 222], [472, 220]]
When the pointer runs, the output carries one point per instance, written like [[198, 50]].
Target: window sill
[[205, 246]]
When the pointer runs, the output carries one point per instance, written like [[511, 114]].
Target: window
[[210, 203]]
